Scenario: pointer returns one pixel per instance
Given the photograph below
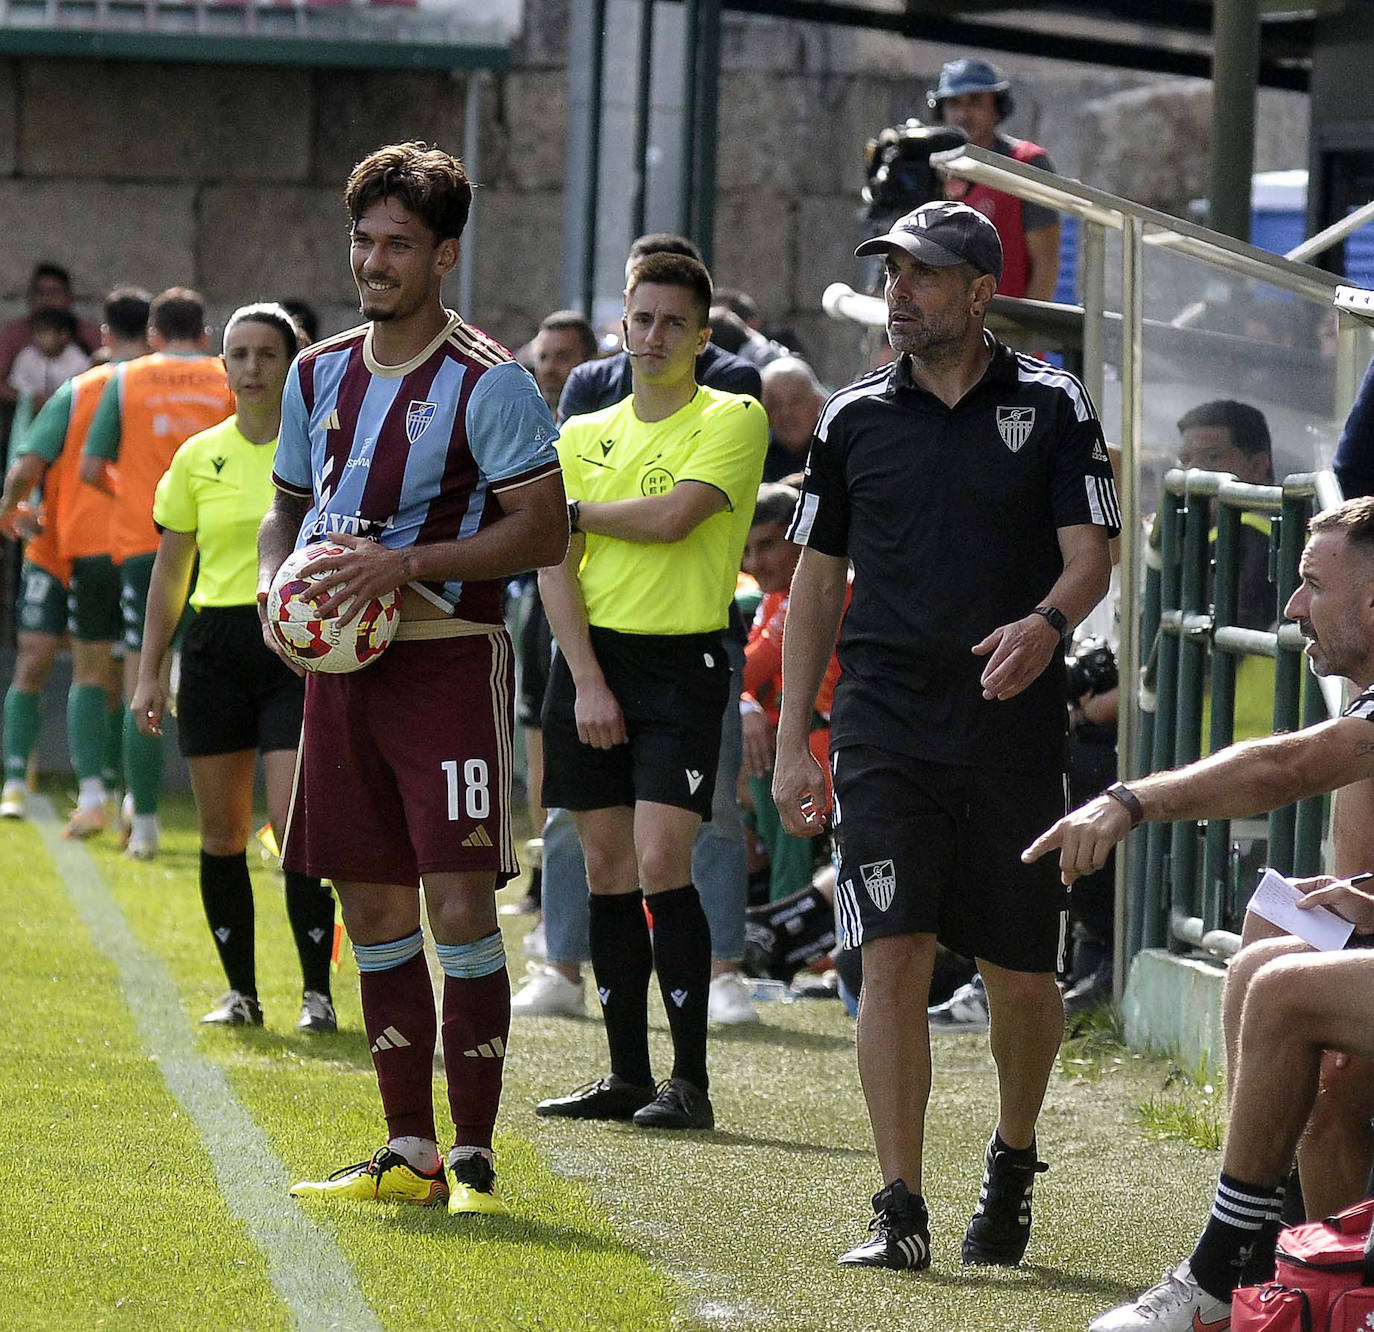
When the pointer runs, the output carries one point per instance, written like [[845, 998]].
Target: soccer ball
[[326, 645]]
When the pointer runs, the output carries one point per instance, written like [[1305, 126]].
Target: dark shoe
[[678, 1105], [317, 1014], [235, 1009], [1092, 991], [609, 1098], [900, 1233], [1000, 1230]]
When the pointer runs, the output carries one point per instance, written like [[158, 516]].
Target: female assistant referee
[[235, 698]]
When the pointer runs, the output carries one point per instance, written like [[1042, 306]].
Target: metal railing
[[1177, 897]]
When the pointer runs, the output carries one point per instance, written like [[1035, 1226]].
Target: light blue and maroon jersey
[[413, 453]]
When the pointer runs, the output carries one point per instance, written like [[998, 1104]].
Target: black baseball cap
[[942, 234]]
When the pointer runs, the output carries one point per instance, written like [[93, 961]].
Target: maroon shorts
[[405, 767]]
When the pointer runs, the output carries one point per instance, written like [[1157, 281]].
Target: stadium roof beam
[[1284, 49]]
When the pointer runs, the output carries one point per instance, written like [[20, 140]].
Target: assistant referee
[[970, 487]]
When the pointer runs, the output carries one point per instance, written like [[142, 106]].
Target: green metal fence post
[[1216, 869]]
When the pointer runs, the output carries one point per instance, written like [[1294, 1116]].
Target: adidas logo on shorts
[[477, 837]]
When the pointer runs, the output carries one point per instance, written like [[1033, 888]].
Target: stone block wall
[[228, 178]]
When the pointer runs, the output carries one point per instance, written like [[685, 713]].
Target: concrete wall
[[228, 178]]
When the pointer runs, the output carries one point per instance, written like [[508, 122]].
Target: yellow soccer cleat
[[474, 1187], [388, 1177]]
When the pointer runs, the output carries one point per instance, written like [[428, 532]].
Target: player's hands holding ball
[[367, 570]]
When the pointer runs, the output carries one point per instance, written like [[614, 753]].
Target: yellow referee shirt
[[218, 487], [679, 587]]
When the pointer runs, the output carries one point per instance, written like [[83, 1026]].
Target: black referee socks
[[682, 957], [226, 892], [621, 963], [310, 909]]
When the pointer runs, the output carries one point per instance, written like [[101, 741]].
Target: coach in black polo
[[970, 488]]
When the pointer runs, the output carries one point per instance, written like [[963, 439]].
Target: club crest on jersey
[[418, 417], [1015, 424], [880, 879]]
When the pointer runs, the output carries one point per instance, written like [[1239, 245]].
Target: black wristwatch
[[1125, 797], [574, 511], [1055, 617]]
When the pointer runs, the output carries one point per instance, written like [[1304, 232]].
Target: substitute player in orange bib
[[150, 407], [419, 444]]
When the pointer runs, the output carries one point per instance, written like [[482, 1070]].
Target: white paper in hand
[[1276, 900]]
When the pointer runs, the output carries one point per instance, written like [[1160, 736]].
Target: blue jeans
[[719, 860]]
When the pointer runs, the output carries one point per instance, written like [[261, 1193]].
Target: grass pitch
[[117, 1217]]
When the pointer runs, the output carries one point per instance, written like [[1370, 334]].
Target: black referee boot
[[1000, 1229], [900, 1232]]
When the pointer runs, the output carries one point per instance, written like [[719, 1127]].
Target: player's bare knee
[[662, 868]]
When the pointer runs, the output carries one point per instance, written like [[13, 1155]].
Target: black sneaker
[[900, 1235], [235, 1009], [317, 1013], [608, 1098], [679, 1105], [1000, 1229]]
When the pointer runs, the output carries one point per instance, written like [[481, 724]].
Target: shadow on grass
[[515, 1229], [762, 1033], [1035, 1276]]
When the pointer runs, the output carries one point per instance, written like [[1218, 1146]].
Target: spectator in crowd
[[720, 860], [771, 560], [792, 397], [78, 518], [235, 698], [732, 334], [565, 339], [971, 489], [405, 778], [306, 320], [1229, 436], [50, 288], [632, 719], [975, 96], [1284, 1003], [149, 407], [51, 359]]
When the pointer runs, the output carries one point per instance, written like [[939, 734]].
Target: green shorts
[[42, 602], [93, 613], [135, 573]]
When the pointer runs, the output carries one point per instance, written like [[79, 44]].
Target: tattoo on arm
[[407, 566], [1364, 747]]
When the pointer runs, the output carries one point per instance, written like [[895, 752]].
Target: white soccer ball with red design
[[326, 645]]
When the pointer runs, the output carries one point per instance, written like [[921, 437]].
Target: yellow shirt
[[679, 587], [218, 487]]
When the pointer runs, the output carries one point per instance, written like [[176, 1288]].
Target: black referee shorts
[[234, 693], [673, 690], [930, 848]]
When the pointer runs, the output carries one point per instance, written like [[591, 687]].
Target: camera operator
[[1094, 691], [974, 96]]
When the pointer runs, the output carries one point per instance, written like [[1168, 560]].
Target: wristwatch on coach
[[1056, 618], [574, 510], [1124, 796]]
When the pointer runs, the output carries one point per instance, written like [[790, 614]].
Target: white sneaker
[[14, 800], [729, 1002], [143, 839], [965, 1010], [1177, 1304], [534, 945], [548, 993]]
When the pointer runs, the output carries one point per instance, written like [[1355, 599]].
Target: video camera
[[898, 170]]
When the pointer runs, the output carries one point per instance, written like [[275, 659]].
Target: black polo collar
[[1000, 370]]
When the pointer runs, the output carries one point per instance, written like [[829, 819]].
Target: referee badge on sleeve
[[880, 879], [1015, 424]]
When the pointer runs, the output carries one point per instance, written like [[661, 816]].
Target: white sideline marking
[[312, 1277]]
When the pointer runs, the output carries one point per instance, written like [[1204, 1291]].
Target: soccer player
[[149, 408], [663, 487], [78, 521], [234, 697], [418, 443]]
